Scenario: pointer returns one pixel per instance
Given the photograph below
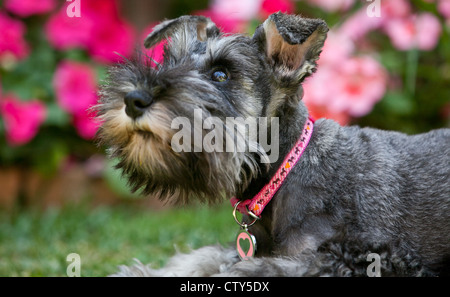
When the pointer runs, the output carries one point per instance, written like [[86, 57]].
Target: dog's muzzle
[[136, 103]]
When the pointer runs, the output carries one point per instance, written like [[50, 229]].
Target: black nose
[[136, 103]]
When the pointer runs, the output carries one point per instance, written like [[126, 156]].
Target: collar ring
[[242, 224]]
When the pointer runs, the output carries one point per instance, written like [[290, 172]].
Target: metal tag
[[245, 244]]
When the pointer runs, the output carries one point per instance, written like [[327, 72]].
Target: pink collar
[[256, 205]]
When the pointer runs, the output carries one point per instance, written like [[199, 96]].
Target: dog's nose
[[136, 103]]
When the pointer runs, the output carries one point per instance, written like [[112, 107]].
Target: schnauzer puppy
[[331, 195]]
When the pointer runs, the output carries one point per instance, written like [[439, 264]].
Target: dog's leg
[[218, 261], [332, 259], [205, 261], [304, 264]]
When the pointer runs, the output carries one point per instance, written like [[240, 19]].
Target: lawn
[[36, 243]]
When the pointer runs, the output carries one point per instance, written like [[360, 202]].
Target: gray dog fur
[[354, 191]]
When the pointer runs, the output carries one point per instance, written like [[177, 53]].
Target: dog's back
[[401, 188]]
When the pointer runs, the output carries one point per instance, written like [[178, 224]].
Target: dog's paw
[[136, 270], [205, 261]]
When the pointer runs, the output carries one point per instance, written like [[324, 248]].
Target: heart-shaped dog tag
[[245, 245]]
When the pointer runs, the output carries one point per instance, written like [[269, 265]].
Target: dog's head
[[181, 129]]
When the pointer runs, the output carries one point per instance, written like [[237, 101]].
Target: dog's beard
[[152, 166]]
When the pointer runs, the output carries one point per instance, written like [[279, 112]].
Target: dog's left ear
[[198, 27], [292, 44]]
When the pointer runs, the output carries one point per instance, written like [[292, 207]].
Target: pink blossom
[[225, 23], [236, 9], [231, 16], [22, 119], [111, 33], [75, 87], [25, 8], [317, 97], [338, 46], [86, 125], [333, 5], [402, 33], [352, 87], [64, 32], [112, 38], [314, 90], [359, 24], [271, 6], [444, 8], [321, 111], [361, 83], [12, 42], [395, 9], [428, 30], [417, 31], [100, 30]]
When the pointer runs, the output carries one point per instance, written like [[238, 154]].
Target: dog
[[352, 192]]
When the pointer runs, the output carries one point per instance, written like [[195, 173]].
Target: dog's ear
[[202, 27], [292, 44]]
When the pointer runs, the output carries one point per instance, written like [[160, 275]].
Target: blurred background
[[385, 64]]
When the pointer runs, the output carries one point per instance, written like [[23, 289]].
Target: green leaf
[[399, 103], [50, 161], [56, 116]]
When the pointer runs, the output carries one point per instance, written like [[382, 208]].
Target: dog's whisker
[[159, 65]]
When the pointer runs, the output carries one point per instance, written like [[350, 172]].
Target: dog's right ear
[[199, 27], [292, 44]]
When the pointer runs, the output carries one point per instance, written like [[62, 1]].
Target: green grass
[[36, 243]]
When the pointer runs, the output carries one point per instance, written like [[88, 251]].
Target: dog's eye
[[219, 75]]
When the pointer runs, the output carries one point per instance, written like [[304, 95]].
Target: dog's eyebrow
[[199, 48]]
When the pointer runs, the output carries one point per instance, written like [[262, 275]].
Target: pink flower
[[86, 125], [395, 9], [75, 87], [428, 30], [64, 32], [25, 8], [359, 24], [100, 30], [352, 87], [236, 9], [317, 98], [444, 8], [321, 111], [418, 31], [225, 23], [338, 46], [12, 44], [333, 5], [271, 6], [360, 83], [112, 38], [231, 16], [21, 119], [314, 90]]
